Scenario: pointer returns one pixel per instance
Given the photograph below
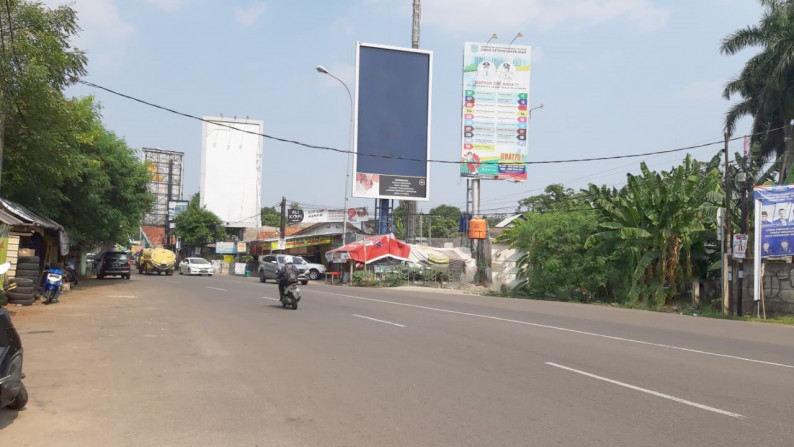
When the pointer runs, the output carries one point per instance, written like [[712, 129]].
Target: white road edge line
[[121, 296], [653, 393], [271, 299], [216, 288], [574, 331], [379, 321]]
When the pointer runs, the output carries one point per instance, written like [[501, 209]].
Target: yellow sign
[[305, 242], [228, 258]]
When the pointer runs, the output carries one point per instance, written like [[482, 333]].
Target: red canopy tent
[[374, 248]]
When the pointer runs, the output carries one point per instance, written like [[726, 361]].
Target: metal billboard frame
[[159, 184], [395, 182], [242, 221]]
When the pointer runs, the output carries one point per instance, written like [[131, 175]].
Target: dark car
[[113, 263]]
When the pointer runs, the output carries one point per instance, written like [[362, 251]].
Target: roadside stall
[[371, 250], [32, 235]]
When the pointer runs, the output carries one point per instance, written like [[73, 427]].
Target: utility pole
[[410, 205], [282, 226], [742, 180], [167, 241], [726, 287]]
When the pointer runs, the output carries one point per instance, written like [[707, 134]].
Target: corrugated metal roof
[[9, 219], [26, 216]]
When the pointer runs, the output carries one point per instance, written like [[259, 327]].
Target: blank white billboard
[[231, 170]]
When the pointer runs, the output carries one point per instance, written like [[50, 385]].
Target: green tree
[[444, 220], [399, 214], [106, 197], [199, 226], [270, 216], [555, 198], [766, 83], [656, 222], [36, 64], [555, 259], [58, 158]]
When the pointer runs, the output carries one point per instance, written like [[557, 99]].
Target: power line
[[361, 154]]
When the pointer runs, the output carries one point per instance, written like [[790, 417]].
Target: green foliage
[[556, 261], [58, 159], [766, 83], [363, 278], [399, 215], [444, 221], [198, 226], [641, 245], [658, 222], [556, 198], [270, 216]]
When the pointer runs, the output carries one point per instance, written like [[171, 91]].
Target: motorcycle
[[71, 274], [52, 279], [292, 294], [13, 393]]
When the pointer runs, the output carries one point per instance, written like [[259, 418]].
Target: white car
[[313, 271], [195, 266]]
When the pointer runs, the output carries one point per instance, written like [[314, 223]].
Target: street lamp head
[[321, 69]]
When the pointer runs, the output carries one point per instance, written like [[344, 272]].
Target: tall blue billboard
[[392, 133]]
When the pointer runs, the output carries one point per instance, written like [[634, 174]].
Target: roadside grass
[[681, 306]]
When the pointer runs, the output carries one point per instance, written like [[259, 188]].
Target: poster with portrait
[[776, 219], [495, 111]]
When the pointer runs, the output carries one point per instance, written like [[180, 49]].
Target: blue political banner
[[777, 221]]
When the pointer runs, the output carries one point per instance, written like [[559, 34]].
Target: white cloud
[[518, 15], [103, 31], [249, 16], [168, 5]]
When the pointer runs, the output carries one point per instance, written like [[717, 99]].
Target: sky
[[615, 77]]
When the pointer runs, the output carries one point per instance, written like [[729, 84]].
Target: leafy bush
[[363, 278], [556, 262]]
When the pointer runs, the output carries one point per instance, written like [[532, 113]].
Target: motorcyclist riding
[[286, 276]]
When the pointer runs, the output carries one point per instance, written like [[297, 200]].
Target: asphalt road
[[199, 361]]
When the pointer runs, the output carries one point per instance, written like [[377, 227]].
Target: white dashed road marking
[[652, 393]]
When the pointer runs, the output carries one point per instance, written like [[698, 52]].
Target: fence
[[394, 275]]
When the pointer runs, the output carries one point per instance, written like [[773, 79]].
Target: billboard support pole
[[478, 243], [410, 223]]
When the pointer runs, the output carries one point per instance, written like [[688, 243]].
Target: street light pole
[[322, 69]]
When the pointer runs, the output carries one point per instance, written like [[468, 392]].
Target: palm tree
[[766, 84]]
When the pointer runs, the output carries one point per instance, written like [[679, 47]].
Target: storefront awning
[[371, 249]]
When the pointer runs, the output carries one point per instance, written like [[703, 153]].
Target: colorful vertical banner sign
[[5, 230], [495, 111], [777, 221]]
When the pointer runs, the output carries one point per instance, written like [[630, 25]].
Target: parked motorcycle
[[292, 294], [12, 391], [71, 273], [52, 283]]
